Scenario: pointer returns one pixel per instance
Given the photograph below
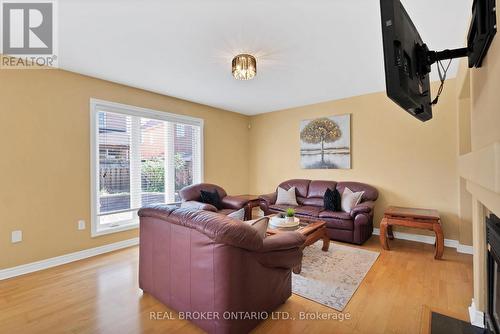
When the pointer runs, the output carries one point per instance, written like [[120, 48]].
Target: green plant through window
[[153, 173]]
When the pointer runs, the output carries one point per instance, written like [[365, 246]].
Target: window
[[138, 158], [111, 123], [180, 130]]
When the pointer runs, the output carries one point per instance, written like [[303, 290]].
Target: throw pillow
[[286, 197], [260, 224], [212, 198], [350, 199], [337, 200], [240, 214], [332, 200]]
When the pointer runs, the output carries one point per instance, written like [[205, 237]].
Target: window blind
[[142, 160]]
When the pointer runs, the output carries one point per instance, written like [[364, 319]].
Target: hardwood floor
[[101, 295]]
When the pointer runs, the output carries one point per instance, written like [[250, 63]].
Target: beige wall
[[485, 95], [411, 163], [44, 168]]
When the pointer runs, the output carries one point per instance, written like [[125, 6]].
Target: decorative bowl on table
[[279, 222]]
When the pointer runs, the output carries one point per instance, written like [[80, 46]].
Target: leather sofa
[[191, 198], [353, 227], [201, 261]]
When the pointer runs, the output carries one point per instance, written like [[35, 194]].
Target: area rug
[[331, 278]]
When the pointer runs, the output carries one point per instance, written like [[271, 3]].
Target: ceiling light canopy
[[244, 67]]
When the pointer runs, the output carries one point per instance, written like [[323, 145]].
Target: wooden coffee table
[[313, 230], [416, 218]]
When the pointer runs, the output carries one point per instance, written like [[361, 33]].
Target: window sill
[[114, 229]]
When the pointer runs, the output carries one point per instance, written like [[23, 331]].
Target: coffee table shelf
[[313, 230]]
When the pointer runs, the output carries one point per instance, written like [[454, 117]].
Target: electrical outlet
[[81, 225], [16, 236]]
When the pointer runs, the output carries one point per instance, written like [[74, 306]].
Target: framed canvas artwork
[[325, 143]]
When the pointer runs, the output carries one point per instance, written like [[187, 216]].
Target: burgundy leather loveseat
[[191, 198], [354, 227], [201, 261]]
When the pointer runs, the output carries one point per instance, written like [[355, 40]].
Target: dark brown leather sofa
[[353, 227], [200, 261], [191, 198]]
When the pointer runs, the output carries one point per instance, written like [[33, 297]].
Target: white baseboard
[[67, 258], [427, 239], [476, 316], [466, 249]]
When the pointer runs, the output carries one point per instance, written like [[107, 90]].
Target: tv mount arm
[[425, 57]]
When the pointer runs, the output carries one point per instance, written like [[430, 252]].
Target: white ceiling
[[307, 51]]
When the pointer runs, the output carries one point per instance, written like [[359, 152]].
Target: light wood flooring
[[101, 295]]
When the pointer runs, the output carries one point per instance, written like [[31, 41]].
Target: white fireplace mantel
[[481, 169]]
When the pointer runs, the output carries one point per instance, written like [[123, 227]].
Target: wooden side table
[[416, 218]]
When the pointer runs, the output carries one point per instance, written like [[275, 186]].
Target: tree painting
[[319, 137]]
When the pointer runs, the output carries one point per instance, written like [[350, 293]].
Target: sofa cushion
[[239, 214], [259, 224], [370, 193], [332, 200], [335, 214], [198, 206], [302, 186], [306, 210], [286, 197], [281, 207], [312, 201], [318, 188], [350, 199], [211, 197]]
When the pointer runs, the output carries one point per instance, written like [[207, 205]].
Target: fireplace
[[493, 240]]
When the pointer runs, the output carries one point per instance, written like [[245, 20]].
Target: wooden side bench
[[416, 218]]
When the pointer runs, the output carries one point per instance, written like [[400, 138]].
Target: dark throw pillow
[[212, 198], [332, 200]]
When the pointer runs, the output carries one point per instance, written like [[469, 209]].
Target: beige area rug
[[331, 278]]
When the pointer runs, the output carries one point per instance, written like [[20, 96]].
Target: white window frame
[[97, 105]]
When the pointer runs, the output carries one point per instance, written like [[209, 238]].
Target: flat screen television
[[405, 85], [408, 60]]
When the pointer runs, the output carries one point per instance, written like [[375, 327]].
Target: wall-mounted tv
[[408, 60]]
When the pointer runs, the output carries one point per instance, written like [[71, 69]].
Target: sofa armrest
[[234, 202], [284, 259], [198, 206], [267, 200], [282, 241], [282, 250], [365, 207]]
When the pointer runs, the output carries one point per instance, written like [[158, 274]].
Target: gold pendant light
[[244, 67]]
